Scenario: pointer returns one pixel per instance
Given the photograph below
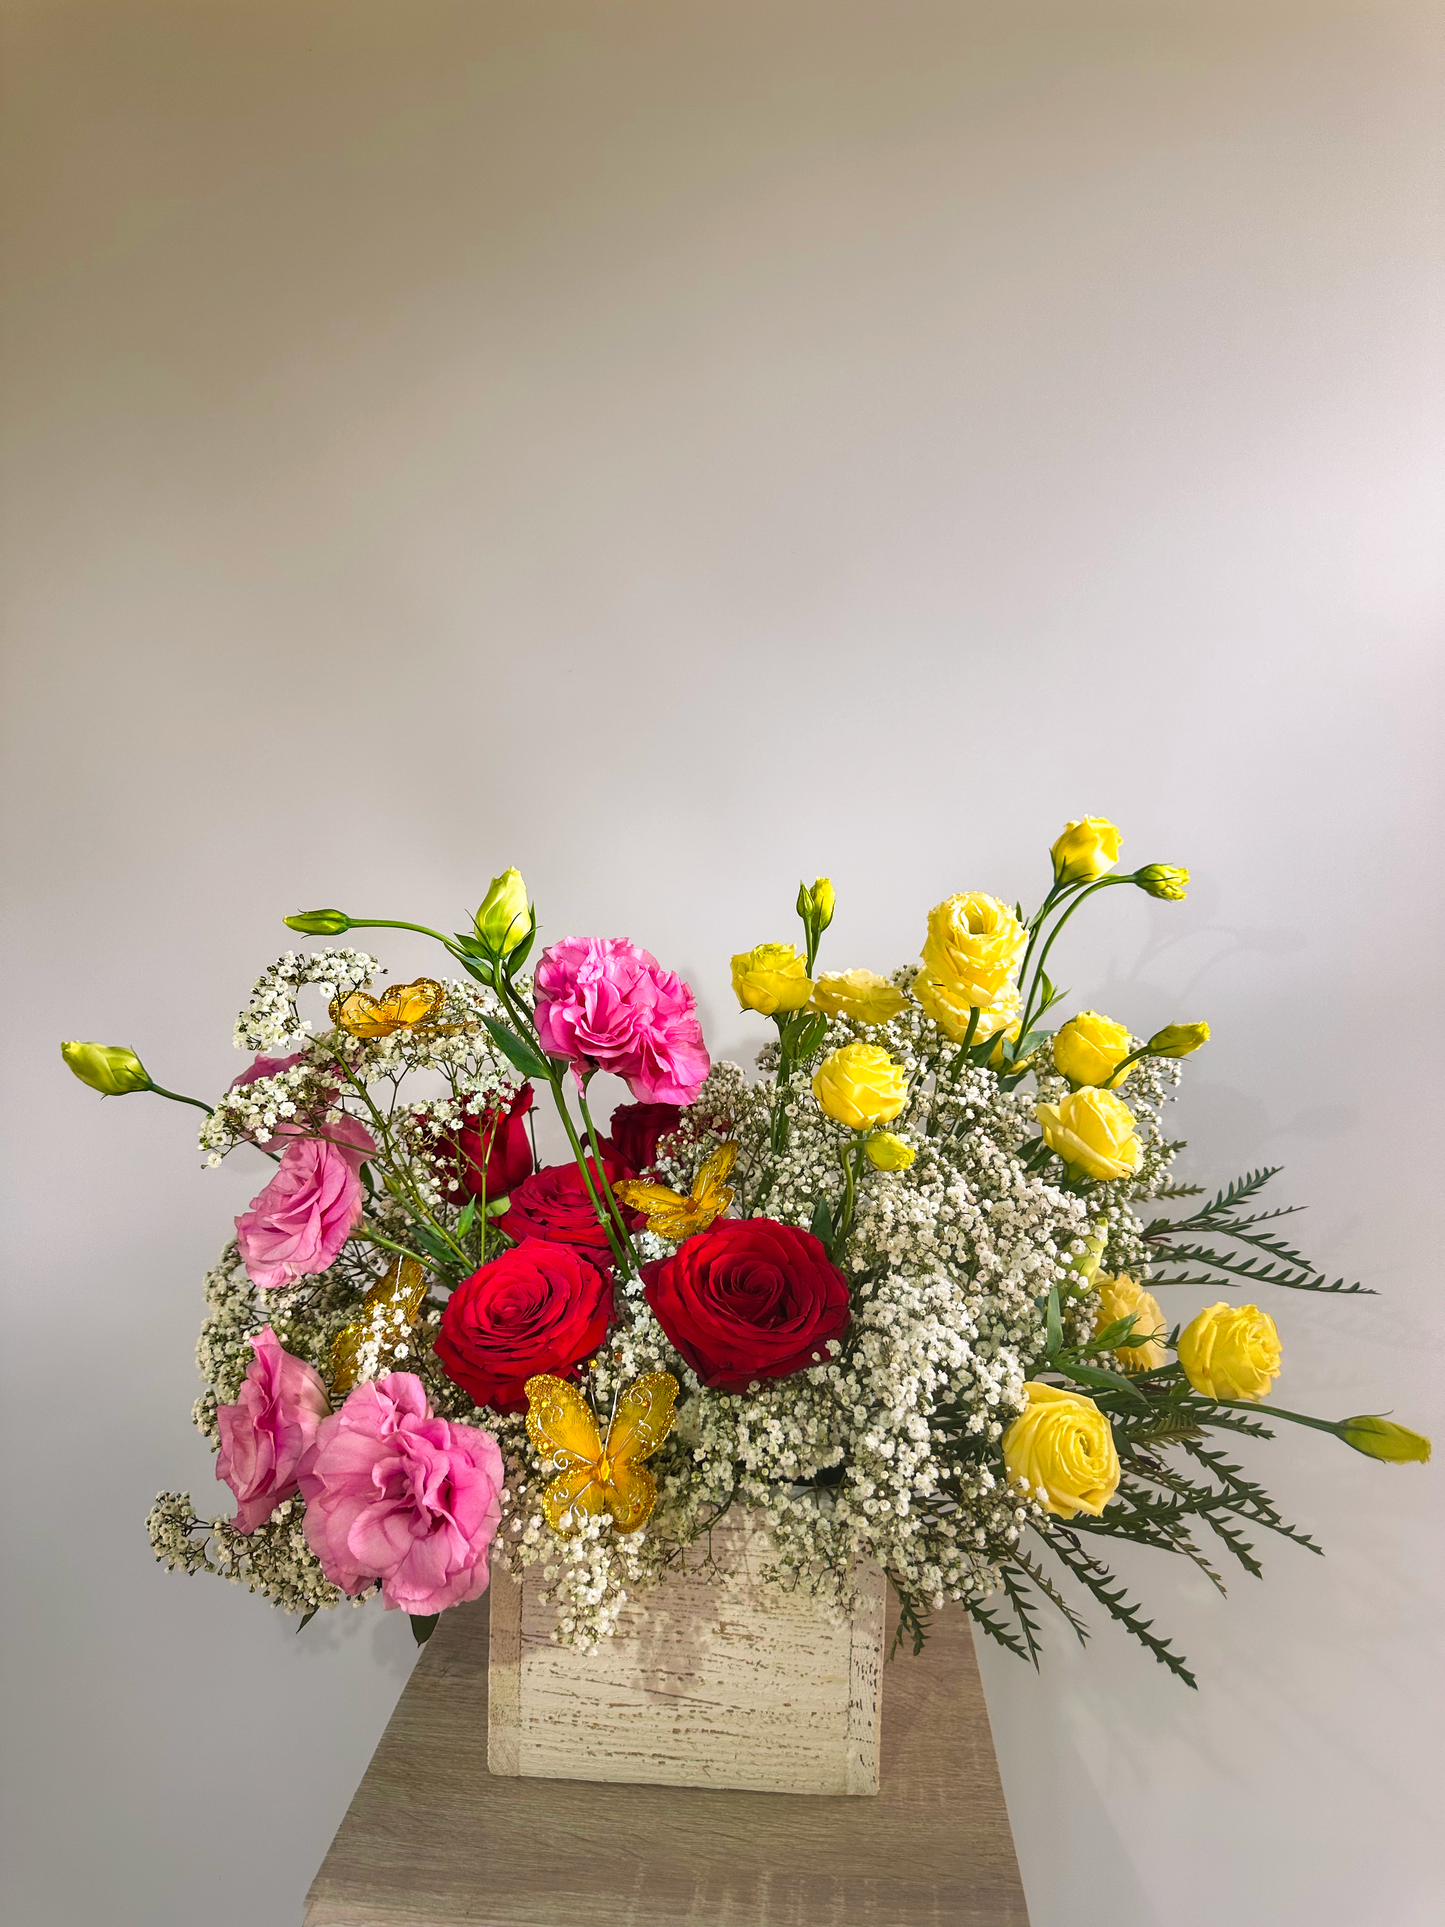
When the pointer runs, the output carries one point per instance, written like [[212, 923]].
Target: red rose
[[637, 1127], [749, 1299], [540, 1307], [493, 1148], [553, 1203]]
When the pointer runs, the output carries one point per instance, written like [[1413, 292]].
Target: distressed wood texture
[[702, 1685], [432, 1838]]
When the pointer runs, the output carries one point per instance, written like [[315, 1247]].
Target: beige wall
[[678, 448]]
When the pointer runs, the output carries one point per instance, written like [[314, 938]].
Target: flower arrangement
[[899, 1295]]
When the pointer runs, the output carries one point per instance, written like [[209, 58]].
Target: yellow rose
[[771, 977], [860, 1086], [1085, 850], [1090, 1048], [1064, 1444], [1094, 1131], [973, 944], [861, 995], [1230, 1351], [948, 1005], [886, 1152], [1123, 1298], [503, 920], [110, 1069]]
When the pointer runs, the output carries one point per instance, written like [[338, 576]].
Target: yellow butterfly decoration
[[672, 1215], [402, 1007], [388, 1312], [593, 1477]]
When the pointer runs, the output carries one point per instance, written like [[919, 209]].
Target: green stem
[[581, 1159], [845, 1224], [177, 1098], [612, 1203], [1278, 1411], [1103, 883], [399, 923]]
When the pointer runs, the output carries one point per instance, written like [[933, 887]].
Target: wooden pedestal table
[[432, 1838]]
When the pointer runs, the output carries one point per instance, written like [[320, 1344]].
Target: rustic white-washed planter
[[744, 1686]]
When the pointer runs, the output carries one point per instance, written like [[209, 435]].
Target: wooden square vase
[[703, 1685]]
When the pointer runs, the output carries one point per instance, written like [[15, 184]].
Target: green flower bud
[[319, 923], [110, 1069], [1378, 1438], [1085, 1266], [815, 906], [502, 922], [888, 1152], [1163, 880], [1178, 1040]]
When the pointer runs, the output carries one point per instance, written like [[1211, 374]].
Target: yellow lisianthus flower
[[1094, 1131], [860, 1086], [1063, 1444], [1230, 1351], [887, 1151], [1090, 1048], [1123, 1297], [948, 1005], [1085, 850], [860, 995], [974, 943], [771, 977]]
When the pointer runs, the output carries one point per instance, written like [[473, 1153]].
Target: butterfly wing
[[361, 1015], [629, 1495], [643, 1418], [573, 1497], [668, 1212], [711, 1194], [388, 1312], [414, 1003], [560, 1425]]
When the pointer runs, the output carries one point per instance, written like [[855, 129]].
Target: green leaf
[[1112, 1336], [307, 1617], [481, 971], [1102, 1381], [469, 944], [1053, 1323], [464, 1222], [517, 1050], [822, 1225], [423, 1626], [516, 958]]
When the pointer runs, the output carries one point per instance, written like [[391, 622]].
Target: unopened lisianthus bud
[[110, 1069], [822, 898], [502, 921], [1178, 1040], [319, 923], [1380, 1438], [1163, 880], [887, 1151], [1085, 850]]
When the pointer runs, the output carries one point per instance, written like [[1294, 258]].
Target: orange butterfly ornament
[[403, 1007], [671, 1214], [594, 1476]]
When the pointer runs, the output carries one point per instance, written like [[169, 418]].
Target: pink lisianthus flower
[[310, 1208], [267, 1431], [394, 1493], [603, 1002], [264, 1067]]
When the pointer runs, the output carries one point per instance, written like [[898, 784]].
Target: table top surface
[[432, 1838]]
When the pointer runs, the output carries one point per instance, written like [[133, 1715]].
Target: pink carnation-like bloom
[[266, 1432], [264, 1066], [394, 1493], [602, 1001], [309, 1209]]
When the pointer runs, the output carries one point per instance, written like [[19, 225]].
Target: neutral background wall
[[678, 448]]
